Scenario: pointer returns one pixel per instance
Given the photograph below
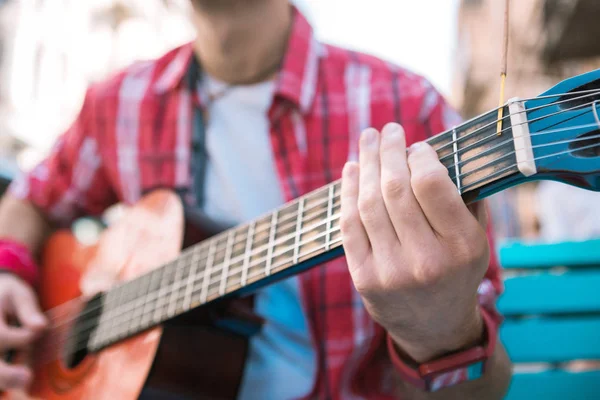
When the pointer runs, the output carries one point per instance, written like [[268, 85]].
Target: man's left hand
[[416, 252]]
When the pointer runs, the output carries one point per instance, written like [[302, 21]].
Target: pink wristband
[[16, 258]]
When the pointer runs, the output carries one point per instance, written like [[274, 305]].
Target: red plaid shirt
[[134, 134]]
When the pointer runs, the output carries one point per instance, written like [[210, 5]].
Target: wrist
[[452, 368], [16, 258], [417, 349]]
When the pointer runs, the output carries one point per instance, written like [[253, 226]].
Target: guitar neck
[[289, 240]]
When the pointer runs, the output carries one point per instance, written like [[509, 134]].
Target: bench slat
[[544, 255], [547, 293], [552, 339], [555, 385]]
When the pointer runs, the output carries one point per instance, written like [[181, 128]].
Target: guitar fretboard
[[474, 154]]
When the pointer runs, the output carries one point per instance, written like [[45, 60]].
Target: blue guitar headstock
[[563, 132]]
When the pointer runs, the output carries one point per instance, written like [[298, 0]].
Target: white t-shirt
[[242, 184]]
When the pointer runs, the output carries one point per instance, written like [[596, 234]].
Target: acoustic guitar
[[146, 308]]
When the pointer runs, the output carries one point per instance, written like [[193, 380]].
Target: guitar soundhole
[[73, 359], [587, 148], [576, 100]]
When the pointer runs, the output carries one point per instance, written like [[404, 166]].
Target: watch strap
[[452, 369]]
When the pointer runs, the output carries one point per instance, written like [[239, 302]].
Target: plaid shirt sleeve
[[71, 180]]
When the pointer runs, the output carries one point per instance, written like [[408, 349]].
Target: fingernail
[[392, 129], [369, 136], [414, 147]]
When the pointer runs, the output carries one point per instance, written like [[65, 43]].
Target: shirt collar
[[297, 77]]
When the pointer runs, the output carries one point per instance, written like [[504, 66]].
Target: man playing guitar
[[270, 114]]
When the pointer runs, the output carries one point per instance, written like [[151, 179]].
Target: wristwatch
[[452, 369]]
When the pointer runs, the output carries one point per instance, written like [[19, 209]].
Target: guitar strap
[[199, 155]]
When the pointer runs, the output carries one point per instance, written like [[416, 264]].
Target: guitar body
[[184, 358]]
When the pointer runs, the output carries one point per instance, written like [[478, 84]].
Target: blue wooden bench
[[551, 330]]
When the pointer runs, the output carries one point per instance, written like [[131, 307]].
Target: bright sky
[[417, 34]]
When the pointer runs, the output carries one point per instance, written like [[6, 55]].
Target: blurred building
[[51, 50], [549, 40]]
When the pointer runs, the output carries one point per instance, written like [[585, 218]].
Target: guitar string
[[310, 218], [465, 137], [528, 110], [337, 215], [495, 134], [484, 166], [462, 162], [292, 216], [333, 243], [591, 146], [50, 355]]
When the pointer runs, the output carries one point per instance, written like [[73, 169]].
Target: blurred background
[[50, 50]]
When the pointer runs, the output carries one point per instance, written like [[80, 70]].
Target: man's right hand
[[18, 304]]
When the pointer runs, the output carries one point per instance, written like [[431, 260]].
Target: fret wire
[[160, 293], [115, 317], [329, 211], [270, 245], [187, 301], [456, 166], [130, 291], [247, 252], [271, 242], [175, 288], [212, 249], [119, 324], [440, 136], [312, 250], [289, 236], [105, 316], [321, 247], [298, 228], [333, 242], [162, 289], [220, 267], [139, 300], [314, 239], [132, 305], [283, 262], [293, 216], [207, 271], [149, 301], [271, 239], [228, 250]]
